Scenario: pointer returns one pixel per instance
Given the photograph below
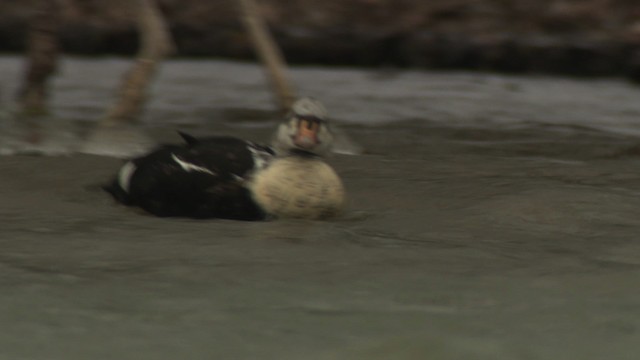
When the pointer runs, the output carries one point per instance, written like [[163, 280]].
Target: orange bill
[[307, 135]]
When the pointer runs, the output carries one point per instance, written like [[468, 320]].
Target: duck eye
[[305, 124], [309, 123]]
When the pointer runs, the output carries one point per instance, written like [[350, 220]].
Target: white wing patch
[[125, 174], [188, 167], [261, 158], [237, 178]]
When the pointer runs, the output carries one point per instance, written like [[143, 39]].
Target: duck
[[231, 178]]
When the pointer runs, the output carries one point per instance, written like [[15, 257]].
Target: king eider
[[230, 178]]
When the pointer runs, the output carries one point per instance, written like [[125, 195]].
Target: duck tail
[[189, 139]]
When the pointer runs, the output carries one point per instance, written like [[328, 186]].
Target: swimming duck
[[226, 177]]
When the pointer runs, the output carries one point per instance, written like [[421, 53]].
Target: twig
[[156, 43], [268, 52], [42, 58]]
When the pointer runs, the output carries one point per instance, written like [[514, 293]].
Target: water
[[489, 217], [193, 92], [211, 94]]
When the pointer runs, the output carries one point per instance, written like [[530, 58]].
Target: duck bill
[[306, 136]]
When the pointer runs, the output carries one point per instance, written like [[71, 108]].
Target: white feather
[[188, 167], [237, 178], [125, 174], [260, 157]]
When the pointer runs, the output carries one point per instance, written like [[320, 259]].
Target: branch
[[155, 45], [268, 52], [42, 58]]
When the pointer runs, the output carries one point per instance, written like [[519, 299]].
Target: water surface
[[489, 217]]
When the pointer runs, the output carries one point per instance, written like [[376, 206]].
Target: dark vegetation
[[570, 37]]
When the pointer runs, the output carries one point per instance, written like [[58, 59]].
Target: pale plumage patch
[[237, 178], [188, 167], [260, 157], [125, 174], [298, 187]]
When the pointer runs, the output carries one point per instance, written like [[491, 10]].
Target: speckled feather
[[299, 187]]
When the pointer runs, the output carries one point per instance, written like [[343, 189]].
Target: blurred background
[[575, 37], [492, 208], [559, 63]]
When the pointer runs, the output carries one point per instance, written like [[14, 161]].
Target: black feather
[[189, 139], [198, 179]]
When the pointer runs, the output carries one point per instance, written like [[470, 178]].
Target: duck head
[[305, 131]]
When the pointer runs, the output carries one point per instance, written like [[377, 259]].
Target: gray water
[[490, 217]]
